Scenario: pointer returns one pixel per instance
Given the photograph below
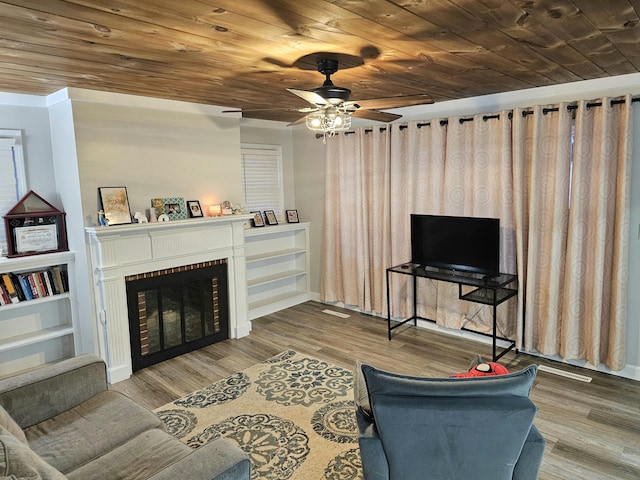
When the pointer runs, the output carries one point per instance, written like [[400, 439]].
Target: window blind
[[262, 180], [9, 184]]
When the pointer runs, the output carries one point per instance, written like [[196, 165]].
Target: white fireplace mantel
[[119, 251]]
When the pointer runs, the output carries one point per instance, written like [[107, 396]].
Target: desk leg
[[495, 329], [415, 300]]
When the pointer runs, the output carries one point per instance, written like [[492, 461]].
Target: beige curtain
[[356, 245], [572, 220], [417, 179], [542, 176], [564, 213]]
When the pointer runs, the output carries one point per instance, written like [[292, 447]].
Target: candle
[[215, 210]]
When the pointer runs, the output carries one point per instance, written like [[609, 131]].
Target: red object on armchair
[[485, 369]]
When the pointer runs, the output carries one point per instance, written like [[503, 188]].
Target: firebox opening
[[177, 310]]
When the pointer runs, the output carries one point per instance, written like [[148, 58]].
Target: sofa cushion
[[137, 459], [18, 461], [89, 430], [11, 426]]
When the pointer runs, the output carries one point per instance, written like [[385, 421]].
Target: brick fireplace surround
[[120, 251]]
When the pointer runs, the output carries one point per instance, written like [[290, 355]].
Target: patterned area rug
[[292, 414]]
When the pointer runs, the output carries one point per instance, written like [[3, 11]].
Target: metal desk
[[487, 290]]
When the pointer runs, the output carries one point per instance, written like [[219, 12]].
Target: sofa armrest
[[45, 392], [216, 460]]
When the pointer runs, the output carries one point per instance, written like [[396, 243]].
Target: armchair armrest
[[216, 460], [45, 392]]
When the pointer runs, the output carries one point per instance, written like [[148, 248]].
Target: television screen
[[458, 243]]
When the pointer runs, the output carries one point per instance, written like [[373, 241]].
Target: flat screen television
[[468, 244]]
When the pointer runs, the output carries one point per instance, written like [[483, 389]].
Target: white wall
[[155, 148], [309, 172], [309, 168], [30, 114]]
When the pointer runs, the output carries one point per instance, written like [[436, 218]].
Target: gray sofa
[[419, 428], [60, 421]]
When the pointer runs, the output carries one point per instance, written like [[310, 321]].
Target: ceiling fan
[[331, 108]]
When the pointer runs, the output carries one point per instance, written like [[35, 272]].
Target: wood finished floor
[[592, 429]]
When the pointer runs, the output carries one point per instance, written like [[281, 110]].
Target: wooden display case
[[34, 226]]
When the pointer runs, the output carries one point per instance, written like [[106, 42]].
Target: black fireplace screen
[[177, 310]]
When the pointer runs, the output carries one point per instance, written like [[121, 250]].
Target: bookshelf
[[36, 326], [277, 267]]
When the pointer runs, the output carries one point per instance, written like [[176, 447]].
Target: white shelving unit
[[38, 331], [277, 267]]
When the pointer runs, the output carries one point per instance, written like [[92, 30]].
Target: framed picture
[[114, 202], [257, 220], [173, 207], [34, 226], [195, 210], [271, 217], [292, 216]]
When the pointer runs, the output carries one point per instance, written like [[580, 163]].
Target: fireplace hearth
[[177, 310]]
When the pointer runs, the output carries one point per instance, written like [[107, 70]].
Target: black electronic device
[[466, 244]]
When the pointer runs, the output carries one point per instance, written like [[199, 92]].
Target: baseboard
[[631, 372]]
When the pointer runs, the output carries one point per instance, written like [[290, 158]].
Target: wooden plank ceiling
[[243, 53]]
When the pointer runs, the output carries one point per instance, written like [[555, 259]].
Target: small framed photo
[[271, 217], [292, 216], [194, 208], [115, 205], [172, 208], [257, 220]]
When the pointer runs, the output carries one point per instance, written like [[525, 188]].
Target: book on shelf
[[10, 288], [16, 287], [4, 296]]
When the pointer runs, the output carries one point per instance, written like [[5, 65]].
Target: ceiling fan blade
[[298, 121], [375, 115], [311, 97], [394, 102], [272, 109]]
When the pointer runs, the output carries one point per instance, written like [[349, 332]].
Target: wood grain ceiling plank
[[196, 18], [509, 19], [567, 22], [449, 16], [151, 81], [88, 26], [618, 20], [463, 51]]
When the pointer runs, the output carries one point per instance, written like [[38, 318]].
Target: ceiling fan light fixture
[[329, 121]]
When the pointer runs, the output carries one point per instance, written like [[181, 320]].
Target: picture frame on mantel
[[114, 202], [292, 216], [195, 210], [257, 220], [271, 217], [173, 207]]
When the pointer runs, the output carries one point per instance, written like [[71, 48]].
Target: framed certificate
[[39, 238]]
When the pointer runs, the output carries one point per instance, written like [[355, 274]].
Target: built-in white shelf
[[41, 330], [36, 301], [27, 339], [277, 258]]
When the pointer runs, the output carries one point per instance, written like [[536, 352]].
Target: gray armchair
[[416, 428]]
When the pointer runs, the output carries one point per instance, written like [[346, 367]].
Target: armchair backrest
[[448, 429]]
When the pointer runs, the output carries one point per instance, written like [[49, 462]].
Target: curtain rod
[[524, 113], [489, 117]]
